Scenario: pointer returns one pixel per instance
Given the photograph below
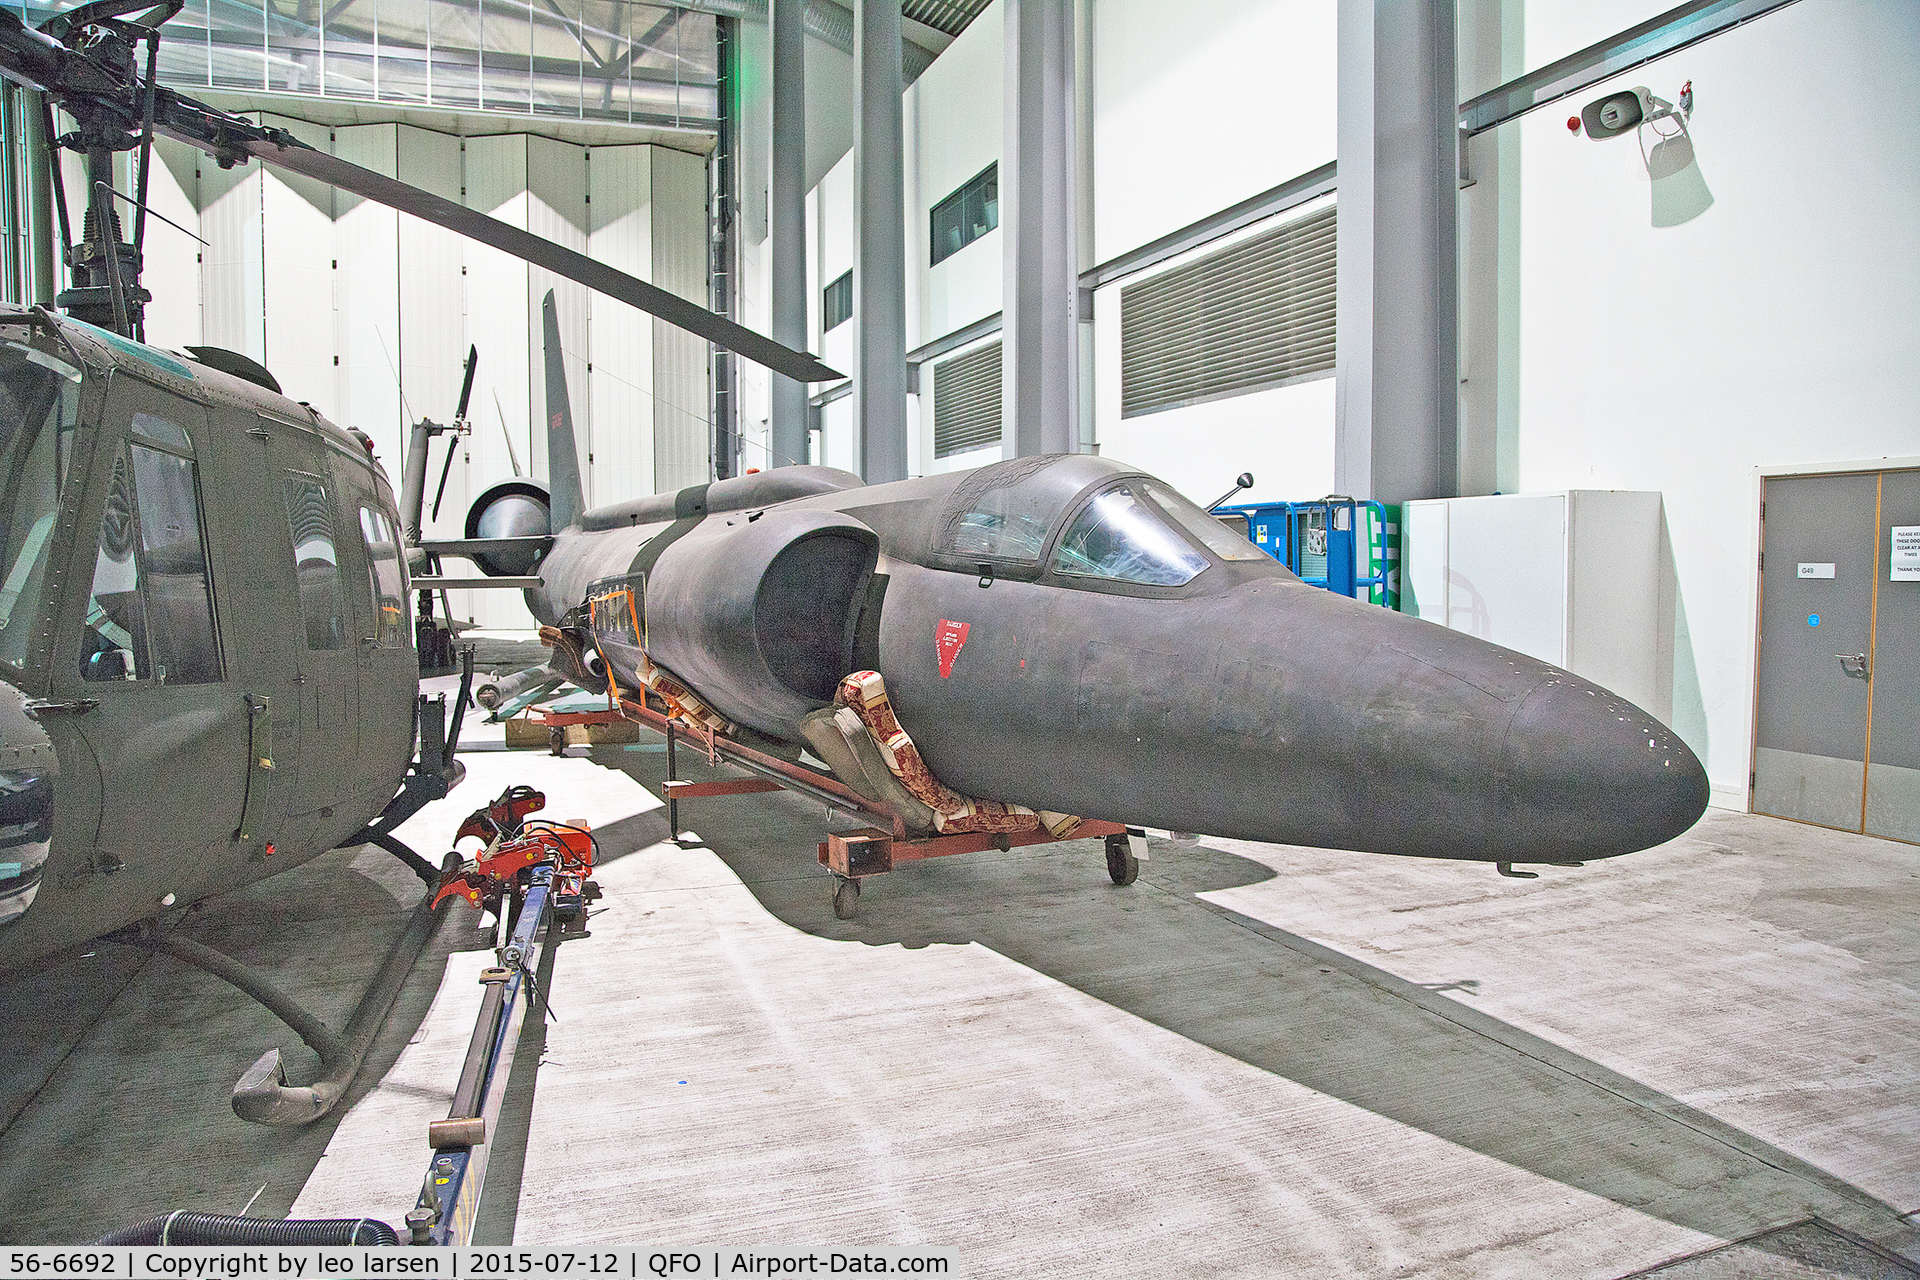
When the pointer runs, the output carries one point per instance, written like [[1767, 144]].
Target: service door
[[1893, 744], [1836, 714]]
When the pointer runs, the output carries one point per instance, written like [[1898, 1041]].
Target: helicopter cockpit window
[[150, 614], [316, 560], [389, 589], [39, 404], [1119, 536]]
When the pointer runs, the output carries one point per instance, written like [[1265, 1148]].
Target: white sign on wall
[[1905, 565], [1816, 570]]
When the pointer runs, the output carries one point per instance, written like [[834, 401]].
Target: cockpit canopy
[[1086, 519]]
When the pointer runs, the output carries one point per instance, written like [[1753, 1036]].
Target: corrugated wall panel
[[508, 384], [172, 266], [366, 243], [620, 341], [1255, 315], [231, 294], [557, 210], [681, 436], [296, 223]]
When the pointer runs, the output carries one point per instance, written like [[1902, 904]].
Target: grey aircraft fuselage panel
[[1241, 703]]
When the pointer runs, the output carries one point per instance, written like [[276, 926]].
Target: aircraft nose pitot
[[1587, 774]]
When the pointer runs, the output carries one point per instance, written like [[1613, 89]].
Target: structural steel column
[[787, 227], [1040, 338], [42, 239], [879, 231], [1396, 432]]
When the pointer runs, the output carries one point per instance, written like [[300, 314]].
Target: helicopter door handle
[[77, 707], [1854, 664]]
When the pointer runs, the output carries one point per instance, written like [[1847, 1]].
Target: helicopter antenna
[[119, 195], [513, 459]]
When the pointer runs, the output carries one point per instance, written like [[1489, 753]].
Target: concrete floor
[[1258, 1060]]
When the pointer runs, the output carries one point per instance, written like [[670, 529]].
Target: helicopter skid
[[263, 1095]]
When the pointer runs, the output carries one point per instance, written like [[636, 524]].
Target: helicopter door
[[389, 670], [325, 649], [148, 682]]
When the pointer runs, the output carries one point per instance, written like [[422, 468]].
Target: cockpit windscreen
[[1118, 536]]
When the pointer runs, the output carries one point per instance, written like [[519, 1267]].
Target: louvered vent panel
[[966, 401], [1253, 316]]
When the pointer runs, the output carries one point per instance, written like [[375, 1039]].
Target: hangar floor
[[1258, 1060]]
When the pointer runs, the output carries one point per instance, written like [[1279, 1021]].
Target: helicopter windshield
[[39, 405]]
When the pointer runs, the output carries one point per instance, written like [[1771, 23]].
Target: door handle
[[1854, 664], [38, 707]]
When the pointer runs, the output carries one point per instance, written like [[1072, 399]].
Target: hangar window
[[1256, 315], [967, 214], [836, 302]]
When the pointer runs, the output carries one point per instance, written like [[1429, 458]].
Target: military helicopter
[[207, 664]]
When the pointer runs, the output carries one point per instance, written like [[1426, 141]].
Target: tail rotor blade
[[466, 383], [453, 447]]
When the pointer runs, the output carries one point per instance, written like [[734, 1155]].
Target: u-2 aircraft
[[207, 665]]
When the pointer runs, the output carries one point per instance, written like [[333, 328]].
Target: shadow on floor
[[1292, 1007]]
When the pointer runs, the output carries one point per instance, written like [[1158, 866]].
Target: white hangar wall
[[1779, 327], [367, 313], [1598, 351], [1186, 114]]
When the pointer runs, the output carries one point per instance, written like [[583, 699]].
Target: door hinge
[[1763, 562]]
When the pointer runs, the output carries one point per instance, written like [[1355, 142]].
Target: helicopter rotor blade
[[295, 157], [466, 384]]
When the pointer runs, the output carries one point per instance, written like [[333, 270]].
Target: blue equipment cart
[[1339, 543]]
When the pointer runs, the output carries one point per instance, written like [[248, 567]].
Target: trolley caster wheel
[[1122, 866], [846, 897]]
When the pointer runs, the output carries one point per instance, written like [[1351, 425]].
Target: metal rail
[[449, 1198], [1657, 37]]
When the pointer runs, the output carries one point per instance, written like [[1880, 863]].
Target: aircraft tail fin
[[563, 461]]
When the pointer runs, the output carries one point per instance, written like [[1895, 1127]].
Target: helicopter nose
[[1588, 774], [27, 768]]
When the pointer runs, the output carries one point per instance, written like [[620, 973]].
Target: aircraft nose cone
[[1587, 774]]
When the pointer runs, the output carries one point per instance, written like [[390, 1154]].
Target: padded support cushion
[[865, 694], [837, 736]]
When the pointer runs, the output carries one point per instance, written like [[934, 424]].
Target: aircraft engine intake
[[510, 509], [759, 614]]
